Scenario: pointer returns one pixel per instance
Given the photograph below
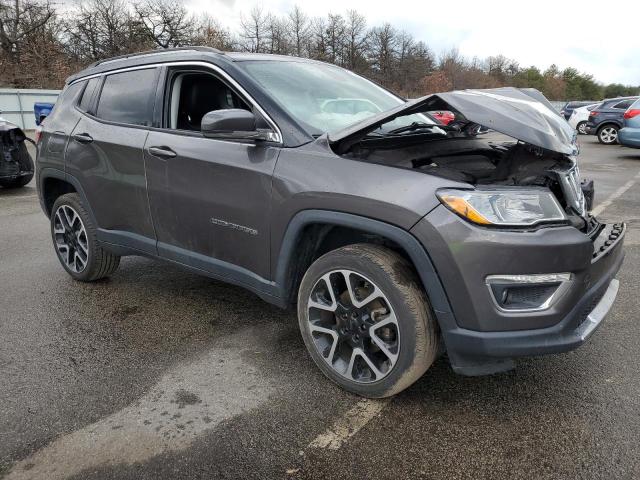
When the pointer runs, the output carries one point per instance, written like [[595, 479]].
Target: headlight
[[504, 207]]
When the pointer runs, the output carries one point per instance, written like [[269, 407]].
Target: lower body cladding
[[514, 294]]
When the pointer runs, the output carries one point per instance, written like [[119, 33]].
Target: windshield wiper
[[419, 126]]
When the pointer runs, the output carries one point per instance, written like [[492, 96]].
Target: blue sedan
[[629, 135]]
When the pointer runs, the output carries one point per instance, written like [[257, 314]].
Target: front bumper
[[483, 339]]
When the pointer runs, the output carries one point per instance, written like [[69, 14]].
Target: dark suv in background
[[607, 118], [395, 237]]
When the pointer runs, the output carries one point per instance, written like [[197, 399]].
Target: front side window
[[325, 98], [127, 97], [194, 94]]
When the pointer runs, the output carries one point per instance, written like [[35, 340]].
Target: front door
[[210, 199]]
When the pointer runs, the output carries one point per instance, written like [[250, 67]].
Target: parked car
[[629, 134], [396, 238], [580, 117], [41, 110], [16, 165], [443, 116], [569, 107], [605, 120]]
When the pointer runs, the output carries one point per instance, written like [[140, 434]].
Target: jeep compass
[[396, 238]]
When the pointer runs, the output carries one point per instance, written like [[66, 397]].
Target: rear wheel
[[608, 134], [74, 239], [582, 128], [366, 320]]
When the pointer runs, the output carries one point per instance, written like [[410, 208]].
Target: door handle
[[83, 138], [162, 152]]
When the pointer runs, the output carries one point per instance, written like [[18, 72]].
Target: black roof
[[194, 53]]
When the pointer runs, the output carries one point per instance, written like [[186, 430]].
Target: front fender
[[419, 257]]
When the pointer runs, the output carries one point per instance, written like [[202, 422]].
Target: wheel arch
[[606, 123], [313, 232], [53, 183]]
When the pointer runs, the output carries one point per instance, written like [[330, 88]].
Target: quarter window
[[87, 95], [127, 97]]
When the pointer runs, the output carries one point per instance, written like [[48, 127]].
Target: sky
[[601, 38]]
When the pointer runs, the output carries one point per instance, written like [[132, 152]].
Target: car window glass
[[127, 97], [87, 95], [71, 91], [325, 98], [624, 104], [194, 94]]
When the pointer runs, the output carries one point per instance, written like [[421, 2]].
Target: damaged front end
[[16, 165], [538, 152], [525, 267]]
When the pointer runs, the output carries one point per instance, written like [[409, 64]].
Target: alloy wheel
[[609, 135], [582, 128], [70, 238], [353, 326]]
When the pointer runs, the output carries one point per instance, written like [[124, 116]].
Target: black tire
[[608, 134], [99, 263], [26, 165], [418, 332], [581, 128]]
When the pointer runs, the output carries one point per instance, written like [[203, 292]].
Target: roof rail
[[156, 52]]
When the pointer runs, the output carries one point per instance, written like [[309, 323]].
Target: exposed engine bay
[[480, 161]]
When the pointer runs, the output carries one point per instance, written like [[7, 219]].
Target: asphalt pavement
[[158, 373]]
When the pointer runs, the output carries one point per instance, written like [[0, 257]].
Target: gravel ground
[[158, 373]]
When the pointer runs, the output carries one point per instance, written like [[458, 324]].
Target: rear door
[[210, 199], [105, 154]]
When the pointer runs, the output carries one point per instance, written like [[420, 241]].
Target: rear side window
[[127, 97], [623, 105], [87, 95]]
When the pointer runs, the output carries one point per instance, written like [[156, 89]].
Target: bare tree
[[383, 44], [19, 19], [210, 33], [254, 30], [318, 41], [335, 32], [356, 41], [299, 30], [103, 28], [452, 65], [278, 35], [165, 22]]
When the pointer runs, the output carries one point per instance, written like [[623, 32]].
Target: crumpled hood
[[524, 114]]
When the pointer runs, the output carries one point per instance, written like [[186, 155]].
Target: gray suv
[[397, 238]]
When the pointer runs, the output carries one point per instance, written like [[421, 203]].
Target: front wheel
[[608, 135], [366, 320], [582, 128], [75, 242]]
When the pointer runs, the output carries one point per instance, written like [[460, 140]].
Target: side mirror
[[232, 124]]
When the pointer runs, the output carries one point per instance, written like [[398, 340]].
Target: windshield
[[326, 98]]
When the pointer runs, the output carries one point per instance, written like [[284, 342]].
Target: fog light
[[527, 293]]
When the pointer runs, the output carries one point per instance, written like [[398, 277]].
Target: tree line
[[42, 43]]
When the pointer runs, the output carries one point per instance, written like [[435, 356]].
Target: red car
[[443, 116]]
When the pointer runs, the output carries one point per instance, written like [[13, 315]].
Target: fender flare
[[609, 122], [50, 172], [414, 249]]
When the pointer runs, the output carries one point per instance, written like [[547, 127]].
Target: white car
[[579, 117]]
